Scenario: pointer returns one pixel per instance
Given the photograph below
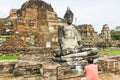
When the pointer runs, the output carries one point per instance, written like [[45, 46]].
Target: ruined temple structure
[[2, 20], [87, 32], [35, 23], [105, 33]]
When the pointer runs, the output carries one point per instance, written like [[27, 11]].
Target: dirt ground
[[102, 76], [109, 76]]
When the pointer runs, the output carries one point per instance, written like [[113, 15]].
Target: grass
[[5, 36], [113, 52], [8, 57]]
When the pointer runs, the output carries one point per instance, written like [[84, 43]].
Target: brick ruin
[[87, 32], [105, 33], [35, 23], [2, 20]]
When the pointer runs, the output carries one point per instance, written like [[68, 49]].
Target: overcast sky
[[95, 12]]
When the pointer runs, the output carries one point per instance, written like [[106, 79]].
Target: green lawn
[[114, 52], [8, 57], [5, 36]]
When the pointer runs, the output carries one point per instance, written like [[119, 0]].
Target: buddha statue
[[68, 36]]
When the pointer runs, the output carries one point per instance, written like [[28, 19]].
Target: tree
[[115, 33], [117, 28]]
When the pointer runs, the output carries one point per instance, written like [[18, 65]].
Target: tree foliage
[[117, 28], [115, 33]]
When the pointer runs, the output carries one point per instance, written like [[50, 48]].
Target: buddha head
[[68, 16]]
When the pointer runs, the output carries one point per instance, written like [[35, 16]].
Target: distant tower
[[75, 20], [105, 33]]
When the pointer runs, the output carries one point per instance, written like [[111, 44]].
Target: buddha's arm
[[78, 36]]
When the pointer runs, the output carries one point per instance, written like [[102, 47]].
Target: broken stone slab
[[25, 63], [58, 53], [81, 54], [78, 58], [59, 59]]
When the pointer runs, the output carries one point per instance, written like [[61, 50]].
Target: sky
[[95, 12]]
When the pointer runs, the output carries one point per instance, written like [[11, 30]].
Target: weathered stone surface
[[27, 68], [17, 43], [87, 32], [110, 64], [37, 63], [7, 67], [2, 21], [105, 33]]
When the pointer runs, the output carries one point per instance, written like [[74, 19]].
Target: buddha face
[[68, 17]]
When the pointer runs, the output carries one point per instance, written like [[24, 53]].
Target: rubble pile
[[37, 64], [13, 42], [26, 68], [19, 48], [7, 67]]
